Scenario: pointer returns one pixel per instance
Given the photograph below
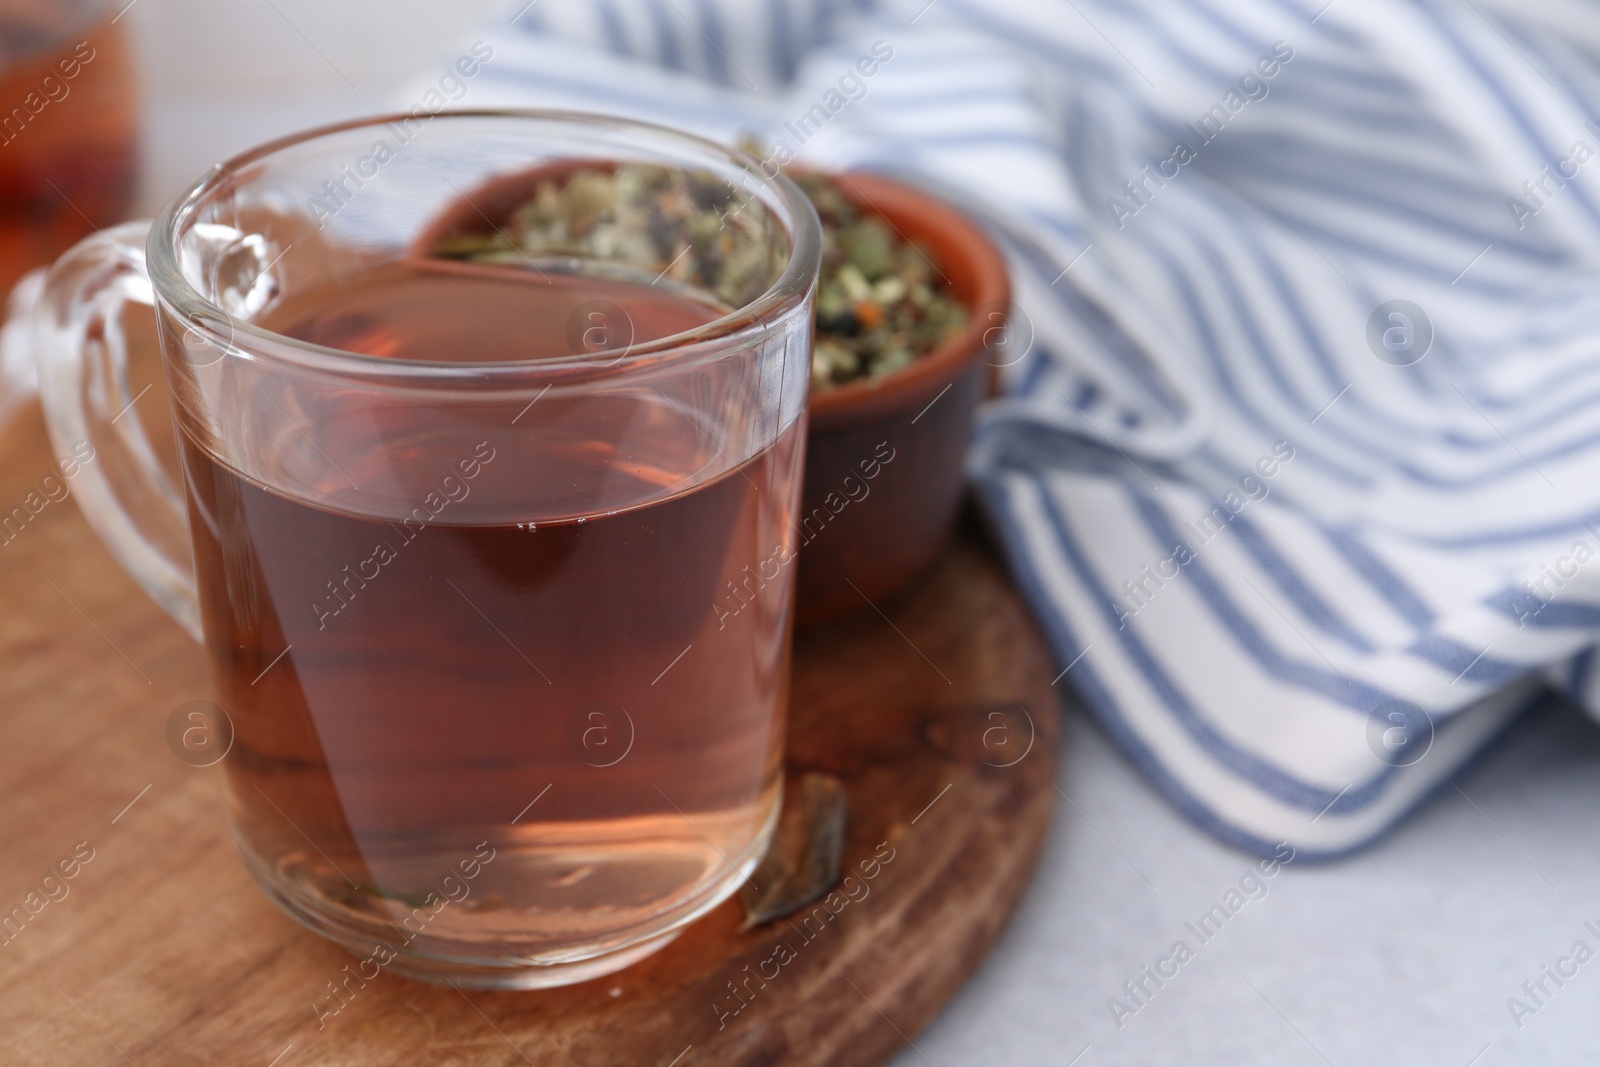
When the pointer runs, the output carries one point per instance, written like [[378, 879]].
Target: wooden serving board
[[936, 712]]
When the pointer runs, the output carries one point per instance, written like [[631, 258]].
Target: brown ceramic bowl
[[884, 460]]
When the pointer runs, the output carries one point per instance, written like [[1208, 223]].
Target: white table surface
[[1405, 954]]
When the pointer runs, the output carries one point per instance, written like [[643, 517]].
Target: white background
[[1403, 955], [224, 75]]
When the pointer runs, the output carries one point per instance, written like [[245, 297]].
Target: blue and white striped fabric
[[1258, 546]]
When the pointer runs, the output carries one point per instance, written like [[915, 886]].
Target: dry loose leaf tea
[[881, 302], [657, 223]]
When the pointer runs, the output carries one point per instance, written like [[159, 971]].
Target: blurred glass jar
[[68, 127]]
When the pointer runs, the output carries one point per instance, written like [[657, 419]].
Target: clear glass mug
[[493, 719]]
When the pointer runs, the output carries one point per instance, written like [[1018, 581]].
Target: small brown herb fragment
[[806, 854]]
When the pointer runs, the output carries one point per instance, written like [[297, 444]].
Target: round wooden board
[[936, 712]]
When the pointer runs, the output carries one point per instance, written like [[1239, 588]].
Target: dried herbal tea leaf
[[666, 222], [806, 855], [882, 303]]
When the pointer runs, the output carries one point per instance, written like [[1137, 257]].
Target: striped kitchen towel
[[1299, 461]]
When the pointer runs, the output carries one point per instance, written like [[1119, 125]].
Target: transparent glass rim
[[732, 332]]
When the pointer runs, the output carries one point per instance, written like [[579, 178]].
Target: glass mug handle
[[82, 353]]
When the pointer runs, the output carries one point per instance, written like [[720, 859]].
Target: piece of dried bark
[[806, 855]]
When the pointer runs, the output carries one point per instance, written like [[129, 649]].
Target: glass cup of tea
[[68, 127], [459, 537]]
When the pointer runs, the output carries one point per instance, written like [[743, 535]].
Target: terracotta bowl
[[884, 460], [865, 537]]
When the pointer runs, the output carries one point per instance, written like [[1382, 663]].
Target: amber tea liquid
[[485, 682]]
